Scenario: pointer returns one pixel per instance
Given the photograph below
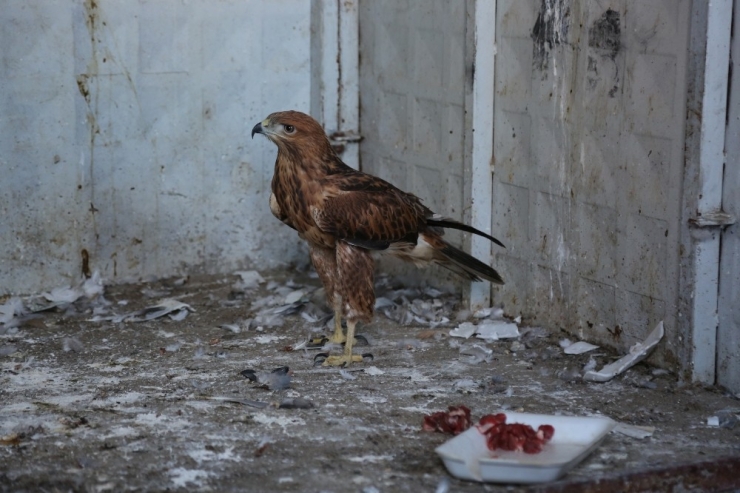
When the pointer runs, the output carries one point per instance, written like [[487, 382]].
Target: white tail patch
[[421, 253]]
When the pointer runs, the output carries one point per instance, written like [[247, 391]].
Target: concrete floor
[[105, 406]]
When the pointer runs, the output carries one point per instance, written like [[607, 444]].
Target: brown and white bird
[[345, 215]]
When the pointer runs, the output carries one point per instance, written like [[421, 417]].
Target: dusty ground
[[104, 406]]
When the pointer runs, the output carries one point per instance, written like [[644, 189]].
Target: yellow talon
[[347, 358], [341, 360]]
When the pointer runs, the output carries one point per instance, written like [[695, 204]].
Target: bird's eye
[[289, 128]]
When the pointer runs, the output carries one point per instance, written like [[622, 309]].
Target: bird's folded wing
[[370, 219]]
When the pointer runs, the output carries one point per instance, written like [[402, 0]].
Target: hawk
[[345, 215]]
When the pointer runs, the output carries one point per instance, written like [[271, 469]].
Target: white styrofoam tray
[[467, 457]]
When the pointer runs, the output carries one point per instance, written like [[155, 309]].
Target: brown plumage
[[345, 214]]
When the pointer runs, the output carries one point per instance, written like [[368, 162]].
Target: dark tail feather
[[452, 224], [474, 268]]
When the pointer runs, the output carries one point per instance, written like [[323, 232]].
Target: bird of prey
[[346, 215]]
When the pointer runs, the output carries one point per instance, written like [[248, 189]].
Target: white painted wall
[[124, 131]]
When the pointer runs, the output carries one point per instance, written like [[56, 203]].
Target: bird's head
[[292, 130]]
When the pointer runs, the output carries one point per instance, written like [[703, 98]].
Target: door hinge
[[341, 138], [719, 219]]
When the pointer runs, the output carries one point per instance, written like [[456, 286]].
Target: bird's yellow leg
[[347, 358], [338, 336]]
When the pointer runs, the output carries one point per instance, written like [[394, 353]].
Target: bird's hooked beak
[[257, 129]]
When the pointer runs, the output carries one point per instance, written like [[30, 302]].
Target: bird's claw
[[320, 358], [321, 341], [317, 342], [343, 360]]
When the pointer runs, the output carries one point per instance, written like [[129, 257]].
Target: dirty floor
[[162, 405]]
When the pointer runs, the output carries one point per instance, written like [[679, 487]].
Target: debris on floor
[[295, 403], [637, 353], [424, 306], [9, 313], [725, 418], [248, 280], [497, 329], [245, 402], [174, 309], [634, 431], [72, 344], [464, 330], [277, 379], [476, 353], [166, 407], [579, 347], [88, 293], [488, 330]]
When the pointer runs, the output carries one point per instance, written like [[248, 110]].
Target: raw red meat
[[490, 420], [454, 421], [545, 432], [499, 435], [514, 436]]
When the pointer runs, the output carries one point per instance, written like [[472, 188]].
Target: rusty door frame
[[335, 100], [728, 332], [703, 218]]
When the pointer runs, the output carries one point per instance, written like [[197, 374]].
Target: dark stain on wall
[[550, 29], [605, 34], [604, 43]]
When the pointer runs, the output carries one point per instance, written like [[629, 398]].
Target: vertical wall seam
[[482, 134]]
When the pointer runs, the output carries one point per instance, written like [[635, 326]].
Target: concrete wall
[[588, 181], [412, 103], [124, 134], [589, 136]]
